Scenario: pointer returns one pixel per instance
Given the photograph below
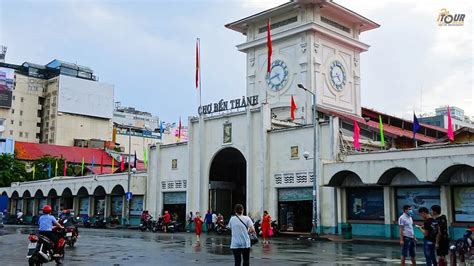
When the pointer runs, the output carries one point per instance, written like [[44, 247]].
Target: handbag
[[253, 236], [270, 232]]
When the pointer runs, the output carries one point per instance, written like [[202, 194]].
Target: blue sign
[[128, 196]]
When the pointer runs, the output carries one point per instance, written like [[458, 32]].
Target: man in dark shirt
[[429, 240], [440, 224]]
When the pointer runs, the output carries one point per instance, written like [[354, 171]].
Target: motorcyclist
[[145, 218], [220, 220], [46, 223], [71, 220]]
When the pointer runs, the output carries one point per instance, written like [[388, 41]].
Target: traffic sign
[[128, 196]]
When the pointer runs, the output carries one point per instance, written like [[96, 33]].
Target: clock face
[[278, 76], [337, 75]]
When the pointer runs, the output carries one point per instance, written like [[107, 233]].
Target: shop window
[[463, 204], [417, 197], [174, 164], [365, 204], [294, 152]]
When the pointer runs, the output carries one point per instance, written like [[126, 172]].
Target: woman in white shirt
[[241, 226]]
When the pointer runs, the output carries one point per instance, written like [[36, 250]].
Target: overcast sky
[[146, 49]]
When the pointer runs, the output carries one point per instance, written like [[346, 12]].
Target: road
[[131, 247]]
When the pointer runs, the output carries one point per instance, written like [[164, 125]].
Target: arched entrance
[[227, 181]]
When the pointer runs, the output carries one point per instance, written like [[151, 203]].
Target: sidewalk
[[339, 238]]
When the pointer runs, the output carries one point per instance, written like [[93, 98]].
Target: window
[[11, 132], [294, 152], [22, 99], [13, 97], [365, 204], [417, 197], [12, 122], [26, 134], [20, 134], [13, 111], [20, 123], [21, 112], [227, 135], [174, 164], [463, 204]]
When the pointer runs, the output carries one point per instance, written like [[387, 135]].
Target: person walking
[[189, 220], [240, 226], [430, 237], [407, 235], [214, 220], [198, 224], [208, 221], [440, 224], [266, 226], [166, 220]]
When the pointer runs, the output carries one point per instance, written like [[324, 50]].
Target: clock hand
[[274, 76]]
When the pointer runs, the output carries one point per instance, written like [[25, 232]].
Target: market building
[[248, 150]]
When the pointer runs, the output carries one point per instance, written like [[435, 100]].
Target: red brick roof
[[32, 151], [388, 130]]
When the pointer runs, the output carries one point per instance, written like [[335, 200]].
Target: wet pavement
[[131, 247]]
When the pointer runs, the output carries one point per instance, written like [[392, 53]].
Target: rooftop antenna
[[3, 53]]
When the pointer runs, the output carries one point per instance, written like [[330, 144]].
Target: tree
[[11, 170]]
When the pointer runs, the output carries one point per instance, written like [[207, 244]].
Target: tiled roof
[[32, 151], [389, 130]]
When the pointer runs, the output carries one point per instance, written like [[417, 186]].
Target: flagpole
[[199, 70], [200, 128]]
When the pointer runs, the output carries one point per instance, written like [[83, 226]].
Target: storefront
[[136, 209], [294, 209], [175, 204]]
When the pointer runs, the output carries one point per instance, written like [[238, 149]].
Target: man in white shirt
[[407, 235], [214, 220]]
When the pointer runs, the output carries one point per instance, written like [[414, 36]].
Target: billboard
[[85, 97], [417, 197], [463, 204], [365, 204], [7, 78]]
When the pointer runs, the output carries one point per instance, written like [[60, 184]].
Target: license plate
[[69, 234], [31, 245]]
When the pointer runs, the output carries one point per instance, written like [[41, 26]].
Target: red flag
[[122, 163], [293, 108], [102, 164], [450, 126], [65, 168], [179, 129], [197, 63], [269, 46], [356, 136]]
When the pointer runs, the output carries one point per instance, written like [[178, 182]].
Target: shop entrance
[[227, 181], [295, 208], [175, 204]]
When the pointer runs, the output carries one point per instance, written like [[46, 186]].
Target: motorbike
[[86, 222], [71, 231], [159, 225], [463, 247], [258, 227], [100, 222], [40, 248], [19, 220], [221, 229], [275, 228], [274, 224], [147, 224]]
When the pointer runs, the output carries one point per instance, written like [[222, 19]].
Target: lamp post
[[129, 174], [314, 232]]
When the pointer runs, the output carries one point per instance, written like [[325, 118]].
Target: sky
[[146, 48]]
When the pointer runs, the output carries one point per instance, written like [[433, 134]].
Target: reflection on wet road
[[131, 247]]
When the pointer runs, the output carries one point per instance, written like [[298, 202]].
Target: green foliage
[[11, 170]]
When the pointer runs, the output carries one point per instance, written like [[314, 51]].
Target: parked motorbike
[[71, 231], [258, 227], [147, 224], [275, 228], [86, 222], [41, 248], [100, 222]]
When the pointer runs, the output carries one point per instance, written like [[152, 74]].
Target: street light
[[129, 174], [314, 232]]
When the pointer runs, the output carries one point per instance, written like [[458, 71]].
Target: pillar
[[91, 206], [107, 206], [388, 202], [445, 202]]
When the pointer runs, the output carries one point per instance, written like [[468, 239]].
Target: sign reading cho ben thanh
[[222, 105]]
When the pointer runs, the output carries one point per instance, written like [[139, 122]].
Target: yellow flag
[[113, 165], [34, 171], [56, 169]]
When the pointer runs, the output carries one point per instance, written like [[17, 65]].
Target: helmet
[[66, 211], [46, 209]]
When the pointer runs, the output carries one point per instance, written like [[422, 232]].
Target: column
[[107, 206], [388, 207], [91, 206]]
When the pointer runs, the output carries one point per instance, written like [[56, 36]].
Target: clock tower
[[316, 44]]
